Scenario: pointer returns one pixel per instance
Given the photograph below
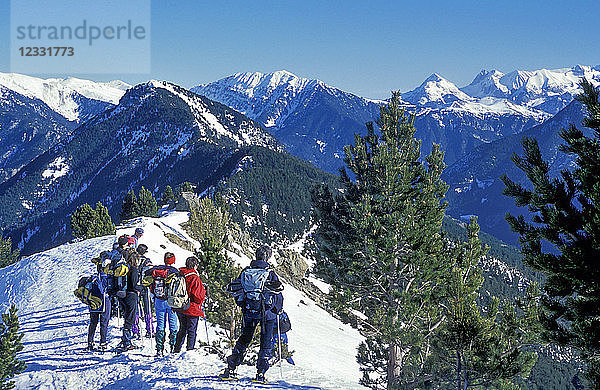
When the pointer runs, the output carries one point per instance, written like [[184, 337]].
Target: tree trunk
[[394, 368], [458, 373]]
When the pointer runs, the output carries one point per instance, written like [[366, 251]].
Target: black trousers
[[266, 334], [103, 318], [188, 325], [129, 305]]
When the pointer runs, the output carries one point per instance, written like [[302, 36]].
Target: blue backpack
[[250, 293]]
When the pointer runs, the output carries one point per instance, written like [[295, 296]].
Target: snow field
[[55, 326]]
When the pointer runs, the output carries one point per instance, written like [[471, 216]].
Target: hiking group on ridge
[[126, 284]]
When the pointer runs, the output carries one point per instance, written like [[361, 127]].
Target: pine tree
[[168, 196], [87, 222], [563, 237], [10, 345], [473, 349], [103, 224], [83, 220], [129, 207], [146, 204], [209, 225], [382, 249], [8, 256]]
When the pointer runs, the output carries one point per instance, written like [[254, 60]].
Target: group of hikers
[[126, 284]]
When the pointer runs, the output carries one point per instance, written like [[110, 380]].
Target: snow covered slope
[[55, 326], [75, 99], [543, 89]]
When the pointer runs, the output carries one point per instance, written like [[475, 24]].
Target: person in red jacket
[[188, 319]]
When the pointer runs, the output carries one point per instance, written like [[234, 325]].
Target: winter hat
[[123, 240], [139, 231], [264, 252], [142, 248], [169, 258]]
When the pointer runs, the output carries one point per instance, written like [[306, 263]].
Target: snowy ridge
[[249, 135], [269, 98], [61, 94], [547, 90], [55, 326]]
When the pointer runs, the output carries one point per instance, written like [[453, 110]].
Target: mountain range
[[70, 141]]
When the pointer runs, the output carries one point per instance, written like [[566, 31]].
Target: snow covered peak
[[435, 90], [61, 95], [548, 90], [486, 84]]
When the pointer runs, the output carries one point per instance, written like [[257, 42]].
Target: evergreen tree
[[10, 345], [103, 224], [382, 249], [87, 222], [129, 207], [146, 205], [563, 237], [8, 256], [82, 222], [209, 225], [472, 349], [168, 196], [186, 186]]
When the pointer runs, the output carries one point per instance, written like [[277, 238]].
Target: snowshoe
[[125, 348], [91, 347], [259, 378], [228, 375], [103, 347], [159, 354]]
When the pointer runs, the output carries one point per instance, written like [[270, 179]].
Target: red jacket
[[195, 290]]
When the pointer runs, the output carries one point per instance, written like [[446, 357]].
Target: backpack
[[119, 270], [285, 325], [177, 295], [159, 283], [90, 291], [250, 293]]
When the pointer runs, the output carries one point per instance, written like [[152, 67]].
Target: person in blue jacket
[[102, 315], [266, 317]]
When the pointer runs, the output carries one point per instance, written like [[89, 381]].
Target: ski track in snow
[[55, 326]]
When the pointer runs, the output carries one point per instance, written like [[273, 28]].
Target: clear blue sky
[[366, 47]]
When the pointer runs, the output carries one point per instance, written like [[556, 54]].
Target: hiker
[[157, 278], [260, 301], [139, 232], [188, 319], [129, 301], [102, 314], [146, 296]]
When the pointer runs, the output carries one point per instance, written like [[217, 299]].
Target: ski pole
[[279, 339], [206, 327]]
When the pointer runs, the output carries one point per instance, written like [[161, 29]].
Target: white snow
[[56, 169], [55, 327], [58, 93]]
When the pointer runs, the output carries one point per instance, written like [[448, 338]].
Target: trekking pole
[[206, 327], [280, 355]]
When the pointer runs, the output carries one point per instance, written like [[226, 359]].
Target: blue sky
[[368, 48]]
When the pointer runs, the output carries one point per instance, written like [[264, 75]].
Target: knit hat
[[169, 258], [139, 231]]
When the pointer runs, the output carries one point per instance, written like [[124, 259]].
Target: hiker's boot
[[228, 375], [260, 377], [90, 347]]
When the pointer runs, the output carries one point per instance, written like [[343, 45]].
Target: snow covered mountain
[[75, 99], [475, 185], [28, 128], [546, 90], [159, 134], [312, 119], [55, 327]]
